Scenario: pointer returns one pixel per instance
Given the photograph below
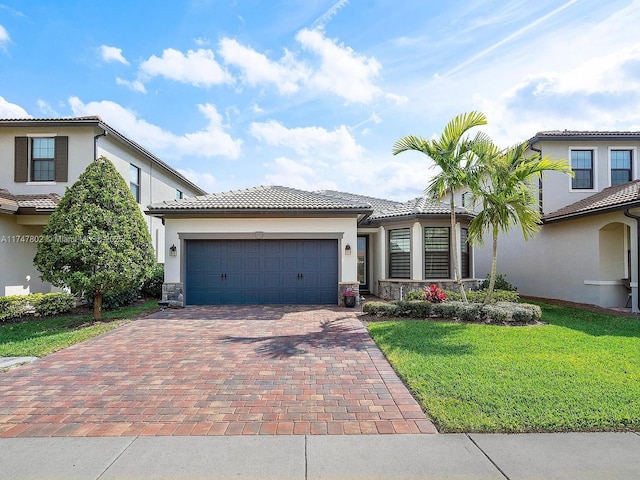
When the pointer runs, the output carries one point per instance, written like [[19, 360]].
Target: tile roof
[[378, 204], [610, 198], [270, 197], [39, 202], [418, 206], [583, 135]]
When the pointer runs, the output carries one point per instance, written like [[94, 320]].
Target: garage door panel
[[261, 271]]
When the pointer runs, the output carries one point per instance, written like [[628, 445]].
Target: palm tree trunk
[[494, 263], [457, 276]]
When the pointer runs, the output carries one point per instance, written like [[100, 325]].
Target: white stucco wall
[[18, 244], [156, 185], [309, 227], [580, 261], [556, 187]]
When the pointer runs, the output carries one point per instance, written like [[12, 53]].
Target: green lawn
[[581, 372], [40, 337]]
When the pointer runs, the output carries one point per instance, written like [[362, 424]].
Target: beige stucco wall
[[18, 245], [556, 187], [156, 185], [342, 228], [580, 261]]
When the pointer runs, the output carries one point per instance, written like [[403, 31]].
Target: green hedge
[[36, 304], [495, 313], [474, 296]]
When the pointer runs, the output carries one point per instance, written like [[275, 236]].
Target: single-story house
[[280, 245]]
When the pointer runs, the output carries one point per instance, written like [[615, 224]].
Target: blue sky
[[313, 94]]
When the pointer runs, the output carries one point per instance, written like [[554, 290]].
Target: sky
[[312, 94]]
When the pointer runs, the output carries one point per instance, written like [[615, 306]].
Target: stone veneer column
[[172, 294]]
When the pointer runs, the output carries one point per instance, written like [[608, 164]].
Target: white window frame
[[131, 182], [634, 162], [594, 167], [31, 182]]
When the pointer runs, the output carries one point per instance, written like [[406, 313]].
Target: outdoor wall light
[[347, 249], [173, 250]]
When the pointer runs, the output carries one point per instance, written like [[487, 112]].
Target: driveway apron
[[214, 370]]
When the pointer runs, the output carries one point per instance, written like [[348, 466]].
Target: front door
[[363, 263]]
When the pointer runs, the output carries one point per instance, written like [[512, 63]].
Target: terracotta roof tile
[[617, 196], [418, 206], [8, 201], [40, 202], [46, 201], [262, 198]]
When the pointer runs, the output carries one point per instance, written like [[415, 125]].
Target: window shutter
[[62, 159], [21, 160]]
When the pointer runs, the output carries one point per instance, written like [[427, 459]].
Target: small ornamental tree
[[96, 241]]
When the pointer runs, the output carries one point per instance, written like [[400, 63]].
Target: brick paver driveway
[[214, 371]]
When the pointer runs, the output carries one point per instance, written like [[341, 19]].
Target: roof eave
[[580, 138], [571, 216], [161, 212]]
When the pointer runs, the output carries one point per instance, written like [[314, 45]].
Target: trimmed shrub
[[500, 283], [506, 312], [113, 301], [152, 286], [381, 309], [469, 312], [53, 304], [13, 306], [37, 304], [415, 295], [477, 296]]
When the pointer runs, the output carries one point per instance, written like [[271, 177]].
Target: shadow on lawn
[[424, 337], [591, 320], [333, 334]]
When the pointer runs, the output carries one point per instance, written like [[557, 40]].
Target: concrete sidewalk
[[469, 456]]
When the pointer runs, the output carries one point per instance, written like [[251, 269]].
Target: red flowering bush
[[434, 294]]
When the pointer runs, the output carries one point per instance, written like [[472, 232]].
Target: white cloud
[[4, 35], [11, 110], [135, 85], [211, 141], [291, 173], [342, 71], [196, 67], [257, 68], [315, 141], [112, 54], [204, 180], [46, 109]]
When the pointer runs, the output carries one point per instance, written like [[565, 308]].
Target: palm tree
[[502, 184], [452, 153]]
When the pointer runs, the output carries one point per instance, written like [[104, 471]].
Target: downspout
[[637, 219], [95, 143], [539, 152]]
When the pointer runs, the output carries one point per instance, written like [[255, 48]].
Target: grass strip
[[580, 372], [38, 338]]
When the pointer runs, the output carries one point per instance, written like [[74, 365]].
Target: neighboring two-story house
[[587, 248], [40, 158]]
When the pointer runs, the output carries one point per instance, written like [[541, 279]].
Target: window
[[400, 253], [465, 250], [134, 182], [467, 200], [582, 166], [620, 167], [178, 195], [436, 252], [41, 159]]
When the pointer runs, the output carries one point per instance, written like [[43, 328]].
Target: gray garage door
[[235, 272]]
